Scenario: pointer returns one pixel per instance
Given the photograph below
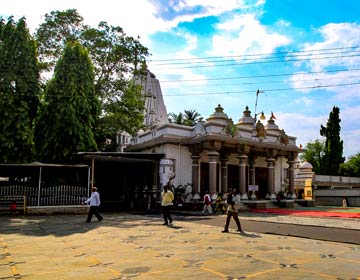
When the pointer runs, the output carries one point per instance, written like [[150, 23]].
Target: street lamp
[[262, 116]]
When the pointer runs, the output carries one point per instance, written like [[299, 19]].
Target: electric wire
[[250, 55], [309, 56], [266, 90], [255, 62]]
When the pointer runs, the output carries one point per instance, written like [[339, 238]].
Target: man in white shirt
[[207, 204], [94, 202]]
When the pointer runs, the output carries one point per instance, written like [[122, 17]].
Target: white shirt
[[94, 199]]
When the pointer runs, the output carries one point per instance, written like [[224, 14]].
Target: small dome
[[246, 119], [306, 165], [271, 125], [218, 114]]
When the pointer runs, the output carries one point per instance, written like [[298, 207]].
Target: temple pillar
[[252, 177], [243, 163], [291, 178], [195, 173], [271, 178], [213, 156], [223, 186], [252, 172]]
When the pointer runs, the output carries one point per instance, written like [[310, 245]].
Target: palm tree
[[191, 117], [174, 118]]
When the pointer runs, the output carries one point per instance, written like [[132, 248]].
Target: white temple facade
[[216, 154]]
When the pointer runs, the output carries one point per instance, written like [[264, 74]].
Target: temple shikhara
[[256, 157]]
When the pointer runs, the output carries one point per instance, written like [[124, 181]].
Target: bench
[[6, 201]]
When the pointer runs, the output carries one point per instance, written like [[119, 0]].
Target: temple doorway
[[233, 177], [261, 176]]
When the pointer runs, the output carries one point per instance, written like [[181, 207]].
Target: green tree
[[191, 117], [351, 167], [313, 154], [123, 114], [333, 152], [70, 108], [188, 118], [176, 118], [59, 27], [19, 92], [116, 58]]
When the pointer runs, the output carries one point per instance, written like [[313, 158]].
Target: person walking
[[232, 211], [167, 198], [219, 204], [207, 204], [94, 202]]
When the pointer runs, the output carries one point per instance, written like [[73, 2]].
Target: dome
[[218, 115], [306, 165], [246, 119]]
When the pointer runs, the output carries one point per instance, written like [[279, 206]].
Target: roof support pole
[[39, 186]]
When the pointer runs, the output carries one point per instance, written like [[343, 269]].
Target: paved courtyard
[[125, 246]]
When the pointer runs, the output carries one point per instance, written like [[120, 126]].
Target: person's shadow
[[174, 227], [246, 234]]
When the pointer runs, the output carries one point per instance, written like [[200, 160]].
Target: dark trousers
[[167, 215], [236, 218], [94, 210]]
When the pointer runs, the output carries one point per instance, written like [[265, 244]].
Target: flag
[[272, 116], [258, 91]]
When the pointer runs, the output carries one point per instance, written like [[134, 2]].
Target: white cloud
[[335, 51], [244, 34], [304, 101], [135, 17], [216, 7], [167, 73], [305, 128]]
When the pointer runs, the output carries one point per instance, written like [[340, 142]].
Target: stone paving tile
[[131, 247]]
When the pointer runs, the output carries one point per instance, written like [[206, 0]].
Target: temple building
[[217, 153]]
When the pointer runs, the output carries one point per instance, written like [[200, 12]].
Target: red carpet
[[332, 212]]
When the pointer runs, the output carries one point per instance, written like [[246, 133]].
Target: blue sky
[[304, 55]]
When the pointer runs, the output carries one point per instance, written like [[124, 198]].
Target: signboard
[[253, 187]]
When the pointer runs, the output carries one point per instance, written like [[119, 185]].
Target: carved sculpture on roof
[[260, 130], [199, 127], [283, 138], [230, 129]]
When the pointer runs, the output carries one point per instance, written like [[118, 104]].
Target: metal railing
[[47, 195]]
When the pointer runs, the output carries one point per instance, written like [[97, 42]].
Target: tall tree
[[333, 152], [70, 108], [313, 154], [116, 57], [19, 92]]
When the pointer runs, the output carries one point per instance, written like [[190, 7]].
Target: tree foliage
[[123, 114], [191, 117], [188, 118], [70, 108], [333, 152], [313, 154], [19, 92], [176, 118], [351, 167], [116, 58]]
